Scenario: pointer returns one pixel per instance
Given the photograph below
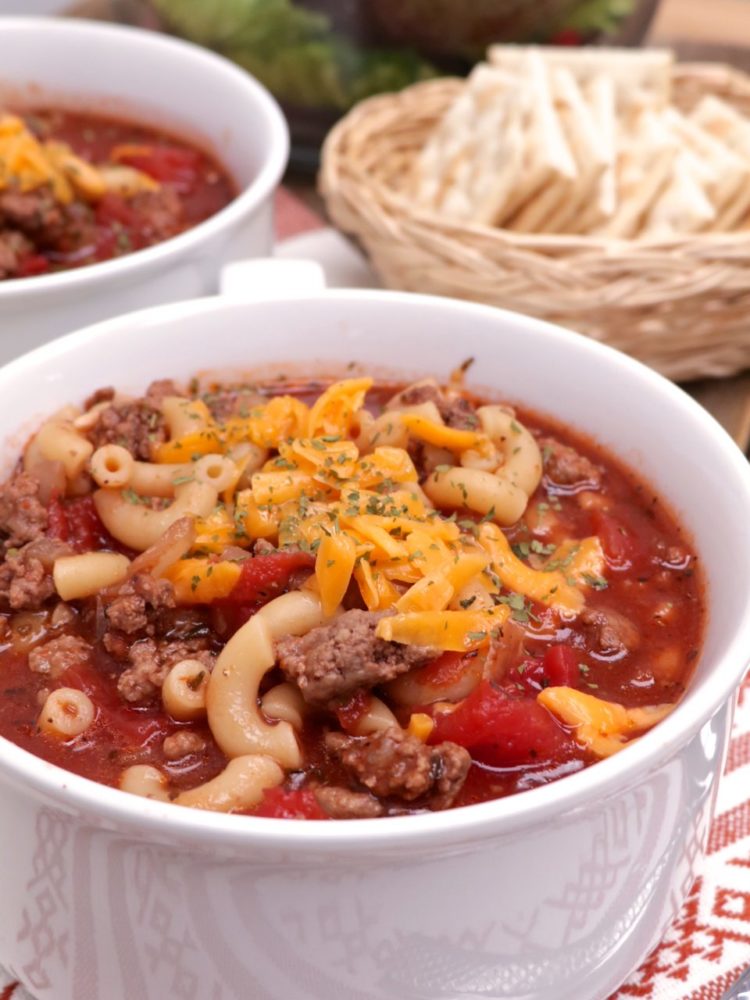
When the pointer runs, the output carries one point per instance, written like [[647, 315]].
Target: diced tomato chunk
[[448, 668], [114, 209], [166, 164], [32, 264], [622, 548], [57, 522], [105, 247], [354, 709], [287, 803], [567, 36], [76, 522], [561, 666], [557, 668], [503, 731], [264, 577], [131, 728]]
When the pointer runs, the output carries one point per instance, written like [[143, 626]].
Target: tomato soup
[[334, 600]]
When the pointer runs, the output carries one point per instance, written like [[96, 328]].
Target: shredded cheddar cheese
[[457, 631], [28, 164], [440, 435], [580, 561], [369, 524], [334, 565], [333, 412], [420, 725], [603, 727], [200, 581], [549, 587]]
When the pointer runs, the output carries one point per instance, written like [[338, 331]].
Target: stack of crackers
[[582, 141]]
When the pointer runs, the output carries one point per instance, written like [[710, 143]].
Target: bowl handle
[[266, 278]]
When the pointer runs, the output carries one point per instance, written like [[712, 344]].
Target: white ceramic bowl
[[558, 892], [187, 91]]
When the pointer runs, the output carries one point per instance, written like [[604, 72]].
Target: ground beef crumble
[[131, 606], [58, 655], [332, 661], [36, 214], [26, 574], [14, 246], [160, 389], [564, 466], [610, 633], [104, 395], [137, 425], [454, 408], [233, 401], [394, 764], [23, 517], [182, 744], [150, 662], [343, 803], [161, 211]]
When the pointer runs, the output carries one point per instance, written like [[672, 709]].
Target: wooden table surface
[[709, 21]]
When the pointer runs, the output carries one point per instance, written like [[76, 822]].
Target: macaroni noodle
[[231, 700]]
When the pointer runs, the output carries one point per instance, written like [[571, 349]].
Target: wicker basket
[[682, 306]]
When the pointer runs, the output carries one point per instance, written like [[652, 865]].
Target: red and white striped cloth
[[708, 946]]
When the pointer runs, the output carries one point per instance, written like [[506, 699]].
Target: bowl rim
[[496, 818], [249, 198]]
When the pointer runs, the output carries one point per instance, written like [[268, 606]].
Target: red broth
[[635, 643], [38, 236]]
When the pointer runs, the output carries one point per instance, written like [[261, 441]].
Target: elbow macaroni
[[239, 786], [184, 690], [477, 490], [66, 713], [146, 781], [284, 703], [59, 441], [139, 526], [113, 467], [88, 574], [522, 460], [185, 416], [232, 697]]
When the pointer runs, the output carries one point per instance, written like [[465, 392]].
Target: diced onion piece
[[173, 545]]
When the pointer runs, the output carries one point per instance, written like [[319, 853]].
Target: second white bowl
[[168, 84]]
